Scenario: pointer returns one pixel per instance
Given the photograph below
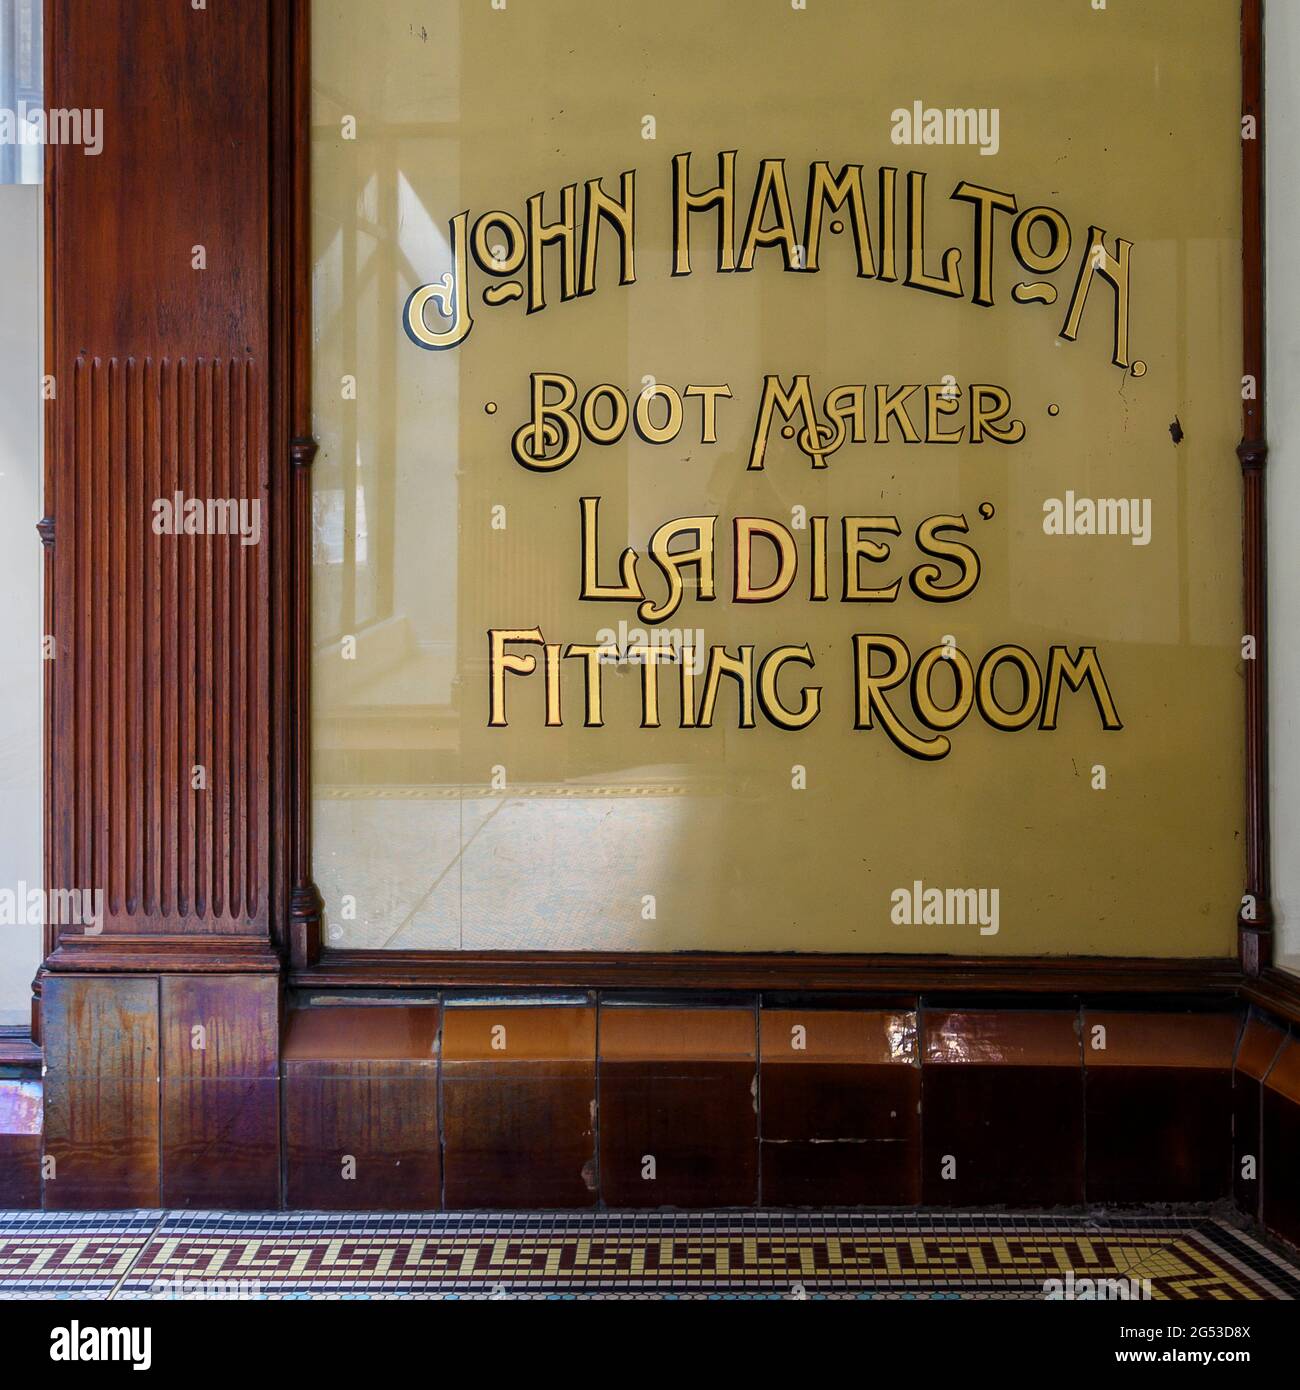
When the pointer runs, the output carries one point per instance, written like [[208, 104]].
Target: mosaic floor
[[789, 1255]]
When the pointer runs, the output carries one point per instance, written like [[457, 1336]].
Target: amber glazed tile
[[678, 1117], [360, 1104], [348, 1033], [518, 1106], [1159, 1097], [219, 1028], [1281, 1126], [1260, 1044], [839, 1100], [1002, 1108], [105, 1026]]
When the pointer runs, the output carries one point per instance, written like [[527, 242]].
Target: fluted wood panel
[[159, 300], [165, 645]]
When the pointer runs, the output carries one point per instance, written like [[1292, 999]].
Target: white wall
[[20, 583], [1282, 138]]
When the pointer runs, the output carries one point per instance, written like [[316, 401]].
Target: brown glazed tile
[[1159, 1098], [220, 1027], [344, 1033], [1260, 1042], [101, 1091], [518, 1106], [220, 1091], [1004, 1037], [523, 1033], [361, 1136], [101, 1025], [221, 1143], [102, 1135], [1259, 1045], [631, 1034], [1192, 1041], [839, 1103], [1002, 1108], [678, 1122], [20, 1144], [1280, 1207], [1284, 1075]]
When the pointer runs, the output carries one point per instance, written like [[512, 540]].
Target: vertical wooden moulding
[[295, 338], [1255, 921]]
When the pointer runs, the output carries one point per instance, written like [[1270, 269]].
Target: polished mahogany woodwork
[[1255, 923], [158, 337]]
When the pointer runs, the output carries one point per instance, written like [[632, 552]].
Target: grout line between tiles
[[135, 1259]]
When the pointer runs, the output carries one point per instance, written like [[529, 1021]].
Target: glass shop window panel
[[21, 624], [868, 577], [22, 117]]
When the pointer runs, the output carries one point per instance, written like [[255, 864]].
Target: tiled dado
[[840, 1107], [1281, 1144], [1002, 1108], [1159, 1088], [172, 1090], [1261, 1042], [519, 1105], [678, 1106], [20, 1144], [360, 1108], [160, 1090]]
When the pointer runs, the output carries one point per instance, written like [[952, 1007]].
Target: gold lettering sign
[[777, 476]]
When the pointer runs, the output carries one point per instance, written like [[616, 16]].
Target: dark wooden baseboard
[[1030, 975]]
